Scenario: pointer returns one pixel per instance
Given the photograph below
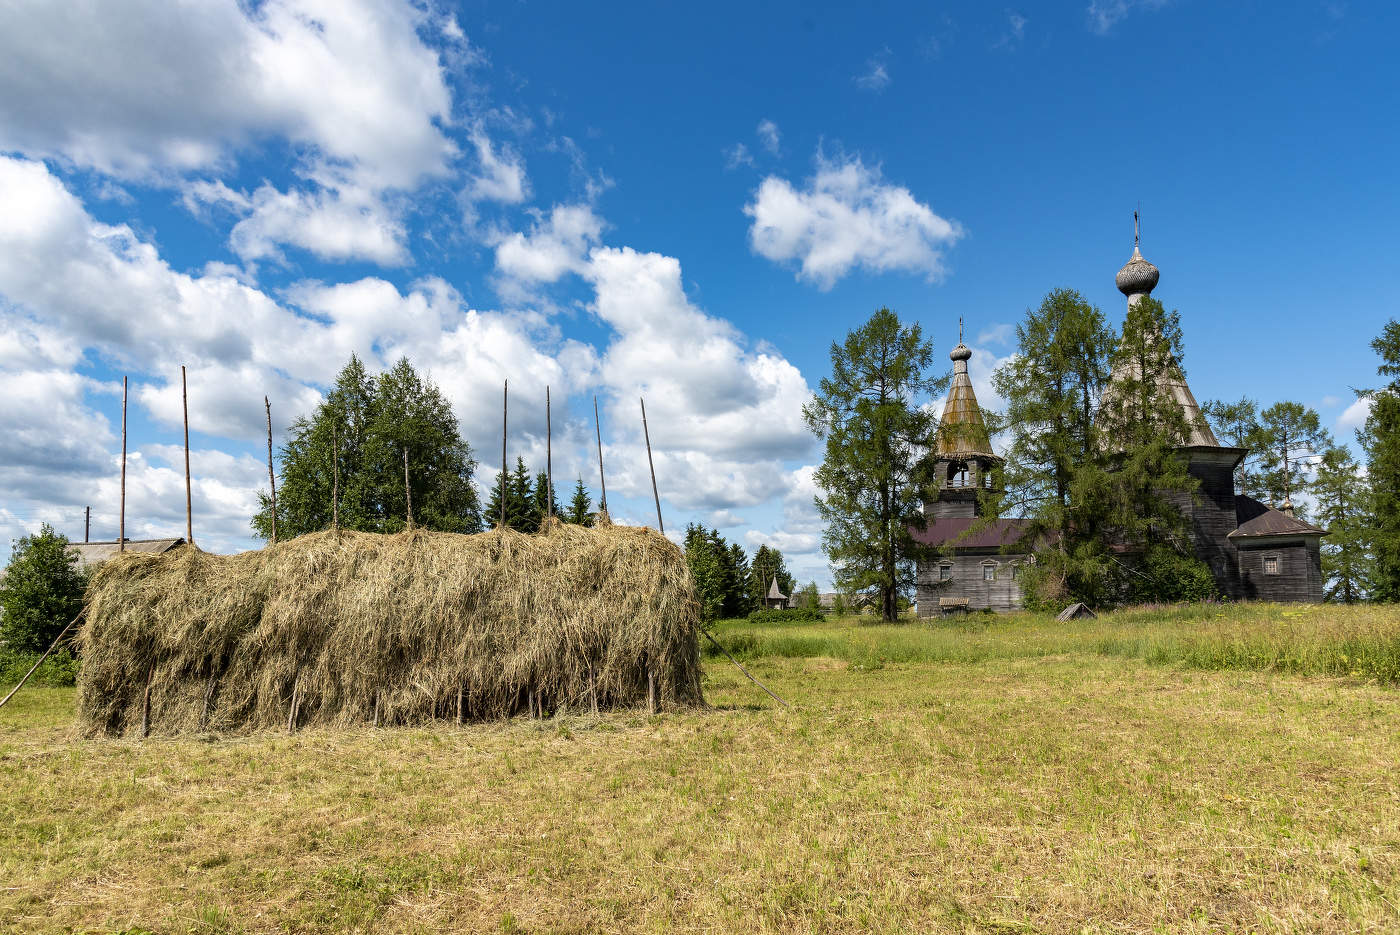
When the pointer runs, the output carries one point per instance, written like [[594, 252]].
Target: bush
[[42, 592], [792, 615], [60, 669], [1165, 576]]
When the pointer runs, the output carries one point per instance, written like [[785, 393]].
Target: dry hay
[[359, 626]]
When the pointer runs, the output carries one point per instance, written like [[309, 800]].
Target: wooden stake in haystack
[[271, 477], [602, 481], [505, 414], [548, 459], [121, 519], [185, 404], [655, 495]]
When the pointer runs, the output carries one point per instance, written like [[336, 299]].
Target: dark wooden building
[[1254, 552]]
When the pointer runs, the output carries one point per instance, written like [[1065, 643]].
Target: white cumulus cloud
[[847, 217]]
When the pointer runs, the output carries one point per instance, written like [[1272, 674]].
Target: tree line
[[1093, 463]]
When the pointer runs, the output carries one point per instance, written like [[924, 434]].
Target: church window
[[957, 474], [1270, 564], [1016, 572], [989, 572], [945, 572]]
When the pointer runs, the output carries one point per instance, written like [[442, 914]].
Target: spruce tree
[[1380, 437], [1291, 439], [520, 500], [41, 592], [1343, 506], [737, 600], [873, 416], [542, 501], [705, 572], [580, 511], [767, 565], [1237, 425]]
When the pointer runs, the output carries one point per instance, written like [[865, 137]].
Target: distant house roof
[[775, 593], [91, 553], [1256, 519], [954, 532]]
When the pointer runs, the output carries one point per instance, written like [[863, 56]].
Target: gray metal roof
[[91, 553], [1256, 519]]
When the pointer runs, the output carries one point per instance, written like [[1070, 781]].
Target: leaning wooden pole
[[52, 646], [505, 415], [271, 477], [121, 517], [185, 404], [602, 480], [655, 495], [548, 458]]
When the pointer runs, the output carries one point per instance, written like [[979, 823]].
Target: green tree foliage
[[767, 564], [1291, 440], [41, 593], [1136, 499], [1052, 386], [580, 511], [1380, 437], [521, 504], [808, 597], [718, 568], [1343, 497], [543, 502], [871, 414], [1236, 425], [370, 422]]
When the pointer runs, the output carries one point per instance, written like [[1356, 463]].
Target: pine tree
[[580, 511], [1380, 437], [766, 566], [363, 428], [871, 413], [1052, 386], [542, 501], [737, 600], [705, 572], [1343, 507], [1291, 439], [41, 592], [1237, 425], [520, 500], [1133, 499]]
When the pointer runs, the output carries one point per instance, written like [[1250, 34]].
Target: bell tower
[[964, 464]]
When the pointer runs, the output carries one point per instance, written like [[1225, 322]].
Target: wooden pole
[[121, 517], [35, 668], [720, 647], [335, 479], [505, 413], [185, 404], [292, 710], [459, 706], [652, 466], [602, 480], [548, 458], [146, 705], [376, 709], [593, 687], [271, 477], [407, 491], [208, 696], [651, 691], [87, 523]]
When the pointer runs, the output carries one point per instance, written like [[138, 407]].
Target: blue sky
[[686, 202]]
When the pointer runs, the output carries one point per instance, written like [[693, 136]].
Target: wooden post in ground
[[602, 480], [292, 709], [652, 466], [87, 523], [271, 477], [548, 459], [593, 687], [185, 405], [459, 705], [505, 415], [407, 491], [208, 696], [376, 709], [121, 517], [335, 479], [651, 690], [146, 705]]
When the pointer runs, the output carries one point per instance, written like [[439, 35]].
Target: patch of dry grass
[[1066, 793]]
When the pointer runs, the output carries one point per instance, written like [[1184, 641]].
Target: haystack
[[355, 627]]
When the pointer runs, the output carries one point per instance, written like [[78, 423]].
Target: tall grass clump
[[358, 625]]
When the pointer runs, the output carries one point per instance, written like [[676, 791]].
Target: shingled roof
[[1256, 519], [961, 431], [91, 553]]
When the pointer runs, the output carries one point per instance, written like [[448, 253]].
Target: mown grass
[[1051, 789], [1361, 642]]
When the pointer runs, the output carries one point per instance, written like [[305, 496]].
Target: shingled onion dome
[[962, 432], [1137, 277]]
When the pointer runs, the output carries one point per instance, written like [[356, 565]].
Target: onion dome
[[960, 353], [1138, 277]]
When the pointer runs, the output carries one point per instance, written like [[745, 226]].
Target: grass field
[[1168, 771]]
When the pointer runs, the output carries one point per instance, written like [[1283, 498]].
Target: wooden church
[[1254, 552]]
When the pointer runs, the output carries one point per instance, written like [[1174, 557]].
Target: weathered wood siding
[[1002, 594], [1299, 577], [1210, 517]]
